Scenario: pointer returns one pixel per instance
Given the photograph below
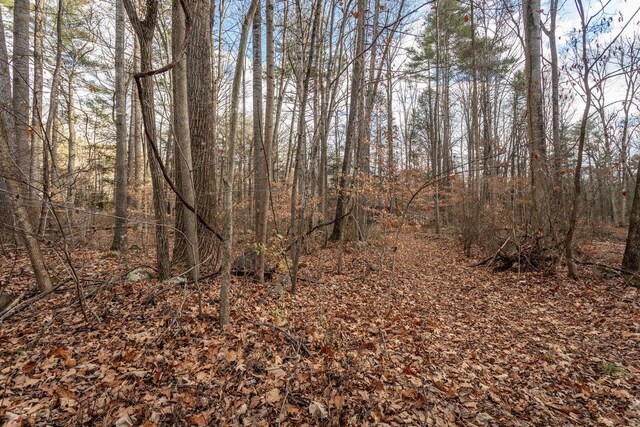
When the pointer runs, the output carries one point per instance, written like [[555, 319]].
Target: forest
[[320, 212]]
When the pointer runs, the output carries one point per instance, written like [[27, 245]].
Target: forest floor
[[433, 342]]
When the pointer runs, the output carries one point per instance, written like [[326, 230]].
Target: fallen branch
[[623, 273], [488, 261], [298, 343], [8, 313]]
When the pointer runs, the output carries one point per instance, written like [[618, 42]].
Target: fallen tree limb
[[19, 307], [298, 343], [626, 275]]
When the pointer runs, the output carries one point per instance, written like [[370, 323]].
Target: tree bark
[[119, 242], [227, 246], [535, 115], [575, 205], [183, 139], [263, 164], [202, 120], [144, 30], [21, 56], [13, 177], [36, 116], [631, 258], [351, 132], [300, 146], [260, 153]]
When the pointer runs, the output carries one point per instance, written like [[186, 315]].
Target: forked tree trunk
[[144, 30]]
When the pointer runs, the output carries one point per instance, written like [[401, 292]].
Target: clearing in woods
[[435, 342]]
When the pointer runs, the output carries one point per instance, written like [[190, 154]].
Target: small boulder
[[178, 280], [5, 299], [138, 275]]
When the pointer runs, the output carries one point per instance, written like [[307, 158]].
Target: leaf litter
[[434, 342]]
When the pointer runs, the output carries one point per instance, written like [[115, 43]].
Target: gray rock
[[138, 275], [178, 280], [5, 299]]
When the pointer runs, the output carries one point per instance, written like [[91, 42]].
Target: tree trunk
[[573, 218], [7, 116], [144, 31], [227, 246], [631, 259], [49, 138], [13, 177], [202, 120], [263, 165], [260, 154], [36, 117], [120, 225], [183, 140], [535, 115], [354, 105], [21, 57], [300, 157]]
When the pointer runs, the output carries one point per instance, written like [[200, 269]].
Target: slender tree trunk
[[140, 164], [7, 116], [354, 105], [263, 164], [71, 154], [228, 179], [391, 166], [260, 154], [48, 141], [21, 56], [13, 177], [119, 242], [575, 205], [36, 117], [300, 157]]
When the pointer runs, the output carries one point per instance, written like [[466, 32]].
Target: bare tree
[[144, 29], [202, 119], [228, 179], [184, 161], [38, 85], [357, 77], [119, 242], [21, 55], [263, 160], [12, 178]]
